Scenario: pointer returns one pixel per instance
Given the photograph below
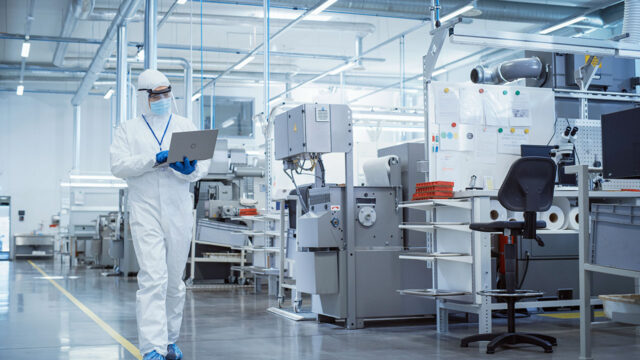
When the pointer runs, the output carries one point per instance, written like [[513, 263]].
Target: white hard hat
[[151, 79]]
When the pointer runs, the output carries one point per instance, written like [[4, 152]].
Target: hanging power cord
[[526, 268], [293, 180]]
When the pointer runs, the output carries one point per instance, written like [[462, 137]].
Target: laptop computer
[[195, 145]]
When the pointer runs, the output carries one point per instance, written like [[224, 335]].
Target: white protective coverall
[[161, 219]]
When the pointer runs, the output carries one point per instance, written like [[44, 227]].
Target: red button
[[453, 124], [481, 91]]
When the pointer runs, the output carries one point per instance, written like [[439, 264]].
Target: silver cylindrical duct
[[150, 32], [631, 22], [121, 75], [248, 172], [526, 68]]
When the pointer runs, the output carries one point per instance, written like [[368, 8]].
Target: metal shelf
[[428, 205], [431, 227], [219, 259], [458, 257], [612, 270], [432, 293]]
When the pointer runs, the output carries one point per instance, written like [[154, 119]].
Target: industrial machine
[[114, 228], [348, 241]]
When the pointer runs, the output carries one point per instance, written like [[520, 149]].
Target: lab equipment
[[564, 154], [527, 173], [343, 233], [185, 167], [621, 144]]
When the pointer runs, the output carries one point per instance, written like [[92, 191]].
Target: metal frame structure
[[587, 269]]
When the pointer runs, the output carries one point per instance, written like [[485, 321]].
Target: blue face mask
[[161, 107]]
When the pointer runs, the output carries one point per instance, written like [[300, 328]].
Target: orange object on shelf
[[248, 212], [433, 190]]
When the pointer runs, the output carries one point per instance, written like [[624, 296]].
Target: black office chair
[[528, 187]]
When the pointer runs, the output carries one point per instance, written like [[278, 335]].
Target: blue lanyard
[[154, 134]]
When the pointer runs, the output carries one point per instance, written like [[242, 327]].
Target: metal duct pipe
[[526, 68], [419, 9], [121, 75], [631, 22], [150, 32], [362, 29], [127, 8], [78, 9]]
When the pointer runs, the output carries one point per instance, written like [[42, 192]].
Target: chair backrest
[[529, 185]]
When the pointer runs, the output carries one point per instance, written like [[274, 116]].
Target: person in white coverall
[[161, 218]]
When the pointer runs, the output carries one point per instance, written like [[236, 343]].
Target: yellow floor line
[[571, 315], [108, 329]]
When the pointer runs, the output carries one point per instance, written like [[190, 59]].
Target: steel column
[[150, 34], [121, 75], [266, 73], [76, 137]]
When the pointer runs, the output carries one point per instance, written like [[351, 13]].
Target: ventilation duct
[[631, 22], [526, 68]]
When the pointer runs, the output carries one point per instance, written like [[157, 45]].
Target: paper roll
[[377, 171], [554, 217], [564, 205], [574, 220], [497, 212]]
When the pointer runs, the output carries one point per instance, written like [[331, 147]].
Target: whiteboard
[[477, 129]]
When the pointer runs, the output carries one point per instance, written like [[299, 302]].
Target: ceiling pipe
[[11, 36], [121, 75], [127, 8], [78, 9], [27, 32], [419, 9], [508, 71], [249, 21]]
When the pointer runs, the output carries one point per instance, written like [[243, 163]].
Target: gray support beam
[[267, 48], [168, 14], [403, 101], [76, 137], [121, 75], [126, 9], [150, 34]]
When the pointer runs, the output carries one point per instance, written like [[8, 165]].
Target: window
[[233, 116]]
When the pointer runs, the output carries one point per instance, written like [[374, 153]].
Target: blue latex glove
[[162, 156], [185, 167]]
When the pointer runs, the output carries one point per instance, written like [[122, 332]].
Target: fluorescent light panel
[[458, 12], [109, 94], [244, 62], [93, 185], [181, 2], [93, 177], [342, 68], [196, 96], [562, 25], [322, 7], [20, 90], [26, 47]]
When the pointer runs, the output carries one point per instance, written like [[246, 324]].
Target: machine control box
[[313, 129]]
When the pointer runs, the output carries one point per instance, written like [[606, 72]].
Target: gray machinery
[[348, 240], [229, 186], [116, 229]]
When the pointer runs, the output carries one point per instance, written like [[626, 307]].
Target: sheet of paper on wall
[[496, 110], [520, 110], [467, 137], [447, 106], [449, 165], [509, 143], [486, 145], [471, 108], [449, 138]]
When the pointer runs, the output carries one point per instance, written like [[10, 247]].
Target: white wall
[[36, 141]]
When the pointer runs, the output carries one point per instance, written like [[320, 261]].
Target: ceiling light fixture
[[26, 47], [244, 62], [458, 12], [196, 97], [20, 90], [108, 94], [562, 25], [181, 2], [322, 7]]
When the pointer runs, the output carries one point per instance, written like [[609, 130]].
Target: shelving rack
[[461, 258]]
